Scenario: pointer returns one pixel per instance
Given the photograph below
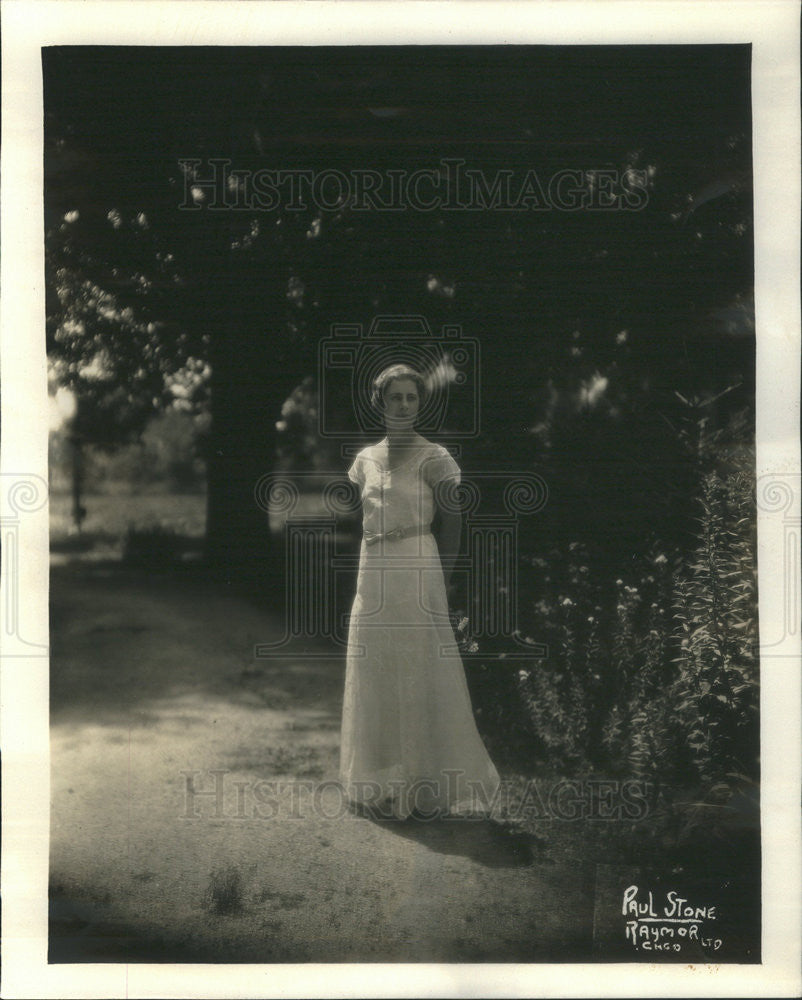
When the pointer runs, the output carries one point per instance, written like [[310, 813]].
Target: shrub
[[715, 609], [152, 547], [654, 674]]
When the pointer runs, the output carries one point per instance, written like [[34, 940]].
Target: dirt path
[[155, 693]]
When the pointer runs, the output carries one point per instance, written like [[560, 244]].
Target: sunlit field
[[111, 520]]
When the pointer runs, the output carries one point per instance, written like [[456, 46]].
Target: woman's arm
[[447, 531]]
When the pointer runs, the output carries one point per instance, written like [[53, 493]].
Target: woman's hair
[[391, 374]]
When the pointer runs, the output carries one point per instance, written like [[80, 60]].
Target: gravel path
[[195, 814]]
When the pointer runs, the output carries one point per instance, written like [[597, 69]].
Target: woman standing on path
[[409, 742]]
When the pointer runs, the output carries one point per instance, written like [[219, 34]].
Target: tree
[[588, 320]]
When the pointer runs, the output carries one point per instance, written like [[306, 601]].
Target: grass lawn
[[109, 517]]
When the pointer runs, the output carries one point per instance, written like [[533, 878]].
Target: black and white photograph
[[402, 410]]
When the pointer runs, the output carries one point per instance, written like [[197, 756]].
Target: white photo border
[[772, 28]]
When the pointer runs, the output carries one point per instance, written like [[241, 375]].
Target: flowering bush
[[653, 674]]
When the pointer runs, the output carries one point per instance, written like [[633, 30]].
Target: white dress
[[408, 731]]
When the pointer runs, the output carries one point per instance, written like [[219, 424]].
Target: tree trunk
[[246, 399]]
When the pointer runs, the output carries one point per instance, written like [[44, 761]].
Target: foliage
[[144, 284], [109, 516], [153, 547], [168, 456], [716, 612], [700, 725], [653, 675]]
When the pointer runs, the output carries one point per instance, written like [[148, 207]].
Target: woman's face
[[401, 404]]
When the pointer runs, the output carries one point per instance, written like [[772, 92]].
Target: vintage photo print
[[401, 499]]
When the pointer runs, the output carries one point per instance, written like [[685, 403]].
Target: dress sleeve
[[439, 467], [355, 473]]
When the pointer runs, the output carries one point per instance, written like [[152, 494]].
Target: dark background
[[546, 293]]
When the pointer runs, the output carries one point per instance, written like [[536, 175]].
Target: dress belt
[[395, 534]]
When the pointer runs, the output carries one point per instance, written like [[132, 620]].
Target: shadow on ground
[[124, 639], [153, 678], [488, 842]]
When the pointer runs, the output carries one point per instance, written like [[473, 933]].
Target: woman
[[409, 743]]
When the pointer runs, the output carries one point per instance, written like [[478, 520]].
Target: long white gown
[[409, 739]]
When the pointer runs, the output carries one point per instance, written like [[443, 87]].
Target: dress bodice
[[401, 497]]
